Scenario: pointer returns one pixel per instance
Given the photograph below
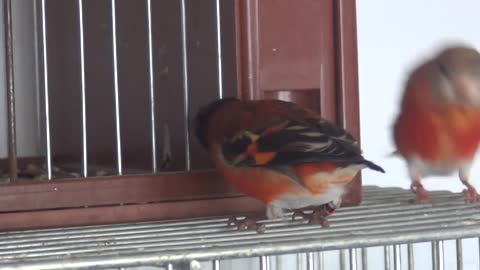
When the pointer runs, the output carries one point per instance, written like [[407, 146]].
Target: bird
[[437, 129], [285, 155]]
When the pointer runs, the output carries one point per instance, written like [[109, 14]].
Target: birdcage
[[103, 172]]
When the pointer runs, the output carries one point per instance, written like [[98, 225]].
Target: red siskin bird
[[438, 128], [276, 151]]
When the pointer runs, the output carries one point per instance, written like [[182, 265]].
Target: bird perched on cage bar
[[438, 128], [280, 153]]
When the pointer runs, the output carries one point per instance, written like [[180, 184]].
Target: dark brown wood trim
[[129, 213], [247, 48], [328, 103], [348, 111], [69, 193]]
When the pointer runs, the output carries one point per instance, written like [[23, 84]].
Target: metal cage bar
[[387, 257], [45, 91], [219, 48], [83, 94], [397, 257], [152, 87], [410, 256], [264, 263], [459, 253], [310, 261], [185, 84], [352, 258], [116, 94], [10, 84]]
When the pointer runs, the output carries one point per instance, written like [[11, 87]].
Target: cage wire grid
[[387, 218]]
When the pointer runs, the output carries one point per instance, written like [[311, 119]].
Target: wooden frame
[[74, 202]]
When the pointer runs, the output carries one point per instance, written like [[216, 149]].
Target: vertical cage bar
[[216, 265], [115, 80], [364, 259], [437, 255], [397, 257], [169, 266], [185, 84], [321, 261], [12, 141], [39, 114], [152, 87], [459, 252], [410, 257], [219, 49], [82, 81], [310, 261], [353, 258], [264, 263], [45, 91], [343, 257], [387, 256]]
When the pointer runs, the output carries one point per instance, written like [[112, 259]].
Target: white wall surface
[[25, 81], [393, 36]]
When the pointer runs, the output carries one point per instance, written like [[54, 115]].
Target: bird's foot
[[318, 216], [471, 195], [246, 224], [422, 195]]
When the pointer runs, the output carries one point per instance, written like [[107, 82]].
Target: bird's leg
[[247, 224], [471, 194], [417, 187]]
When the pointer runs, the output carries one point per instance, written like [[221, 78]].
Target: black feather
[[203, 116]]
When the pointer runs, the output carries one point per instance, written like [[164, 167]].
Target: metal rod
[[185, 85], [410, 257], [264, 263], [152, 87], [437, 255], [170, 266], [364, 258], [343, 258], [45, 90], [12, 137], [299, 261], [117, 101], [82, 81], [321, 261], [459, 252], [353, 258], [387, 256], [39, 114], [397, 257], [219, 49], [216, 265], [310, 261]]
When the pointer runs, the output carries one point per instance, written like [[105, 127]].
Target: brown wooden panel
[[347, 81], [129, 213], [64, 79], [167, 41], [99, 84], [70, 193], [202, 67], [247, 55], [308, 98], [133, 81], [291, 45], [229, 50]]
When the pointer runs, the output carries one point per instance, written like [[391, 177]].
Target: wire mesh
[[386, 217]]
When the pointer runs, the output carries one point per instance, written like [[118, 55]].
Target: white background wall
[[392, 36]]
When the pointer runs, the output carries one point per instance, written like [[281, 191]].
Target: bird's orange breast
[[454, 133]]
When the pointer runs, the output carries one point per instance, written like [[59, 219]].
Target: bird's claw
[[246, 224], [318, 216], [471, 195], [422, 195]]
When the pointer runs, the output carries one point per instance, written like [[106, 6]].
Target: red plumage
[[438, 130], [279, 152]]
